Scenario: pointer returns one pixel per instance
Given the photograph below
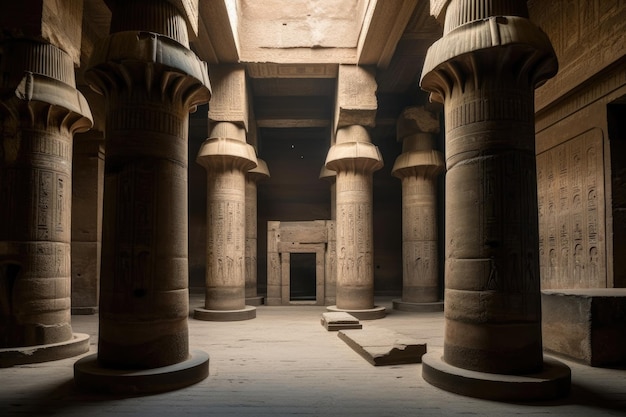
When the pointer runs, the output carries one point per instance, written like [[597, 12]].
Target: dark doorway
[[302, 277]]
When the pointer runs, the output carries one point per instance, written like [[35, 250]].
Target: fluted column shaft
[[40, 111], [150, 82], [486, 82]]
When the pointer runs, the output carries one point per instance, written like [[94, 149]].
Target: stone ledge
[[384, 346], [586, 325]]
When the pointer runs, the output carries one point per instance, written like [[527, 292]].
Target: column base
[[366, 314], [552, 381], [77, 345], [247, 313], [418, 307], [90, 376], [254, 301]]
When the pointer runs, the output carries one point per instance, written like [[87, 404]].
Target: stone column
[[227, 158], [87, 198], [354, 158], [260, 173], [484, 70], [40, 110], [418, 167], [330, 281], [150, 80]]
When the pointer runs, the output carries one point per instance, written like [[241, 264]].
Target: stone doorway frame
[[319, 249], [285, 238]]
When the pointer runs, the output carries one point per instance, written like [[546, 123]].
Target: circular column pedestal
[[254, 301], [90, 376], [551, 382], [246, 313], [77, 345], [366, 314], [417, 307]]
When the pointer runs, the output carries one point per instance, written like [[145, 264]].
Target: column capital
[[260, 173], [328, 174], [425, 163], [218, 154], [417, 129], [354, 151], [157, 63], [499, 42], [187, 10], [39, 82]]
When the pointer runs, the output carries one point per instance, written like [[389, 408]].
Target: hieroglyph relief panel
[[570, 183]]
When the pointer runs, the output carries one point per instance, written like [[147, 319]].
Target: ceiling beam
[[217, 39], [383, 27]]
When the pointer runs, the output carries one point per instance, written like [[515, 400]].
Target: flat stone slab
[[339, 320], [577, 323], [384, 346]]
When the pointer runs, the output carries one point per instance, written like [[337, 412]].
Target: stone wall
[[576, 154]]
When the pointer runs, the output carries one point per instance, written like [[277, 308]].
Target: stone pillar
[[87, 198], [354, 158], [40, 110], [227, 158], [484, 70], [260, 173], [418, 167], [330, 281], [150, 80]]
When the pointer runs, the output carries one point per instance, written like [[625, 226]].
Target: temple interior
[[189, 187]]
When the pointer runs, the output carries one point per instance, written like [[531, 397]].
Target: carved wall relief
[[570, 183]]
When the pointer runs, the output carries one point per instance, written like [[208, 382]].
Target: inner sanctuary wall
[[577, 144]]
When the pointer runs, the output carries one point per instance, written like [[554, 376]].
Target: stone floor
[[284, 363]]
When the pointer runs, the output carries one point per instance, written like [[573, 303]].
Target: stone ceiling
[[292, 49]]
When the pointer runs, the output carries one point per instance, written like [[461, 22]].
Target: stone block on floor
[[334, 321], [587, 325], [384, 347]]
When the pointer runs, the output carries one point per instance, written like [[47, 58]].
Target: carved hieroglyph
[[418, 167], [570, 184], [227, 161], [39, 113], [255, 175], [484, 70], [354, 159], [150, 82]]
